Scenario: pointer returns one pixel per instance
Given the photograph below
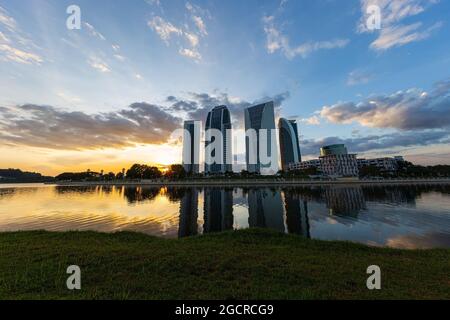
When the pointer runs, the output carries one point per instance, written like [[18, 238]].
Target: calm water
[[402, 217]]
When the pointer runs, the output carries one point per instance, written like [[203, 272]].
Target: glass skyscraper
[[191, 146], [219, 118], [289, 143], [258, 118]]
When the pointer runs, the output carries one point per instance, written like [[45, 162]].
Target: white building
[[334, 162], [384, 164]]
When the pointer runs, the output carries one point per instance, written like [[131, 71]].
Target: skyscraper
[[191, 146], [289, 144], [260, 140], [219, 159]]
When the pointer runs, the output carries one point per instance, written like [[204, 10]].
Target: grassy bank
[[251, 264]]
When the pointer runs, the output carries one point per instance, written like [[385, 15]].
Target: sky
[[110, 94]]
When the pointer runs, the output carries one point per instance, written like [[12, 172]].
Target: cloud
[[140, 123], [197, 105], [14, 44], [277, 41], [200, 25], [9, 53], [8, 21], [99, 64], [357, 77], [413, 109], [398, 36], [393, 12], [192, 54], [163, 28], [93, 32], [312, 121], [49, 127], [192, 36], [119, 57], [378, 142]]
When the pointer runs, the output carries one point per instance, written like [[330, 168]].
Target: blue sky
[[381, 92]]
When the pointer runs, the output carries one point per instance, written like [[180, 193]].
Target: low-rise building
[[384, 164], [334, 161]]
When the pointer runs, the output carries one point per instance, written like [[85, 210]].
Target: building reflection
[[265, 209], [188, 212], [218, 210], [297, 219], [344, 201]]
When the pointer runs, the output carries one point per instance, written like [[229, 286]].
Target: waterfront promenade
[[253, 182]]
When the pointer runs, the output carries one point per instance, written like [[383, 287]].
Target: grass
[[249, 264]]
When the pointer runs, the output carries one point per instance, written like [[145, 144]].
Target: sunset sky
[[111, 94]]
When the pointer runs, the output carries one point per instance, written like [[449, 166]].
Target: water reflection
[[396, 216], [265, 209], [218, 210], [188, 211], [297, 214]]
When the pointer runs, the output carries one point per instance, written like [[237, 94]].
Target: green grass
[[250, 264]]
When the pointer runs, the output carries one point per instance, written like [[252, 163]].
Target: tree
[[136, 171], [176, 171], [151, 173]]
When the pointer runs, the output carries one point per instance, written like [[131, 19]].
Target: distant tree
[[151, 173], [136, 171], [110, 176], [120, 176], [176, 171]]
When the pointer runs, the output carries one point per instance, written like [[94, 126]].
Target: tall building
[[191, 146], [219, 118], [257, 119], [289, 143]]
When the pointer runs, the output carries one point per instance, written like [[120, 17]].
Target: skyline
[[110, 94]]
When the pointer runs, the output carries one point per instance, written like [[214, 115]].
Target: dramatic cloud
[[49, 127], [140, 123], [277, 41], [393, 12], [413, 109], [197, 105], [378, 142]]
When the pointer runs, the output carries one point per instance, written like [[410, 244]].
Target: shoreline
[[254, 182]]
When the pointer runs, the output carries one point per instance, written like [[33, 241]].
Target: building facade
[[384, 164], [191, 146], [260, 140], [219, 159], [289, 143], [334, 161]]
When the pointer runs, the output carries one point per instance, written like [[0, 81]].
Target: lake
[[410, 217]]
